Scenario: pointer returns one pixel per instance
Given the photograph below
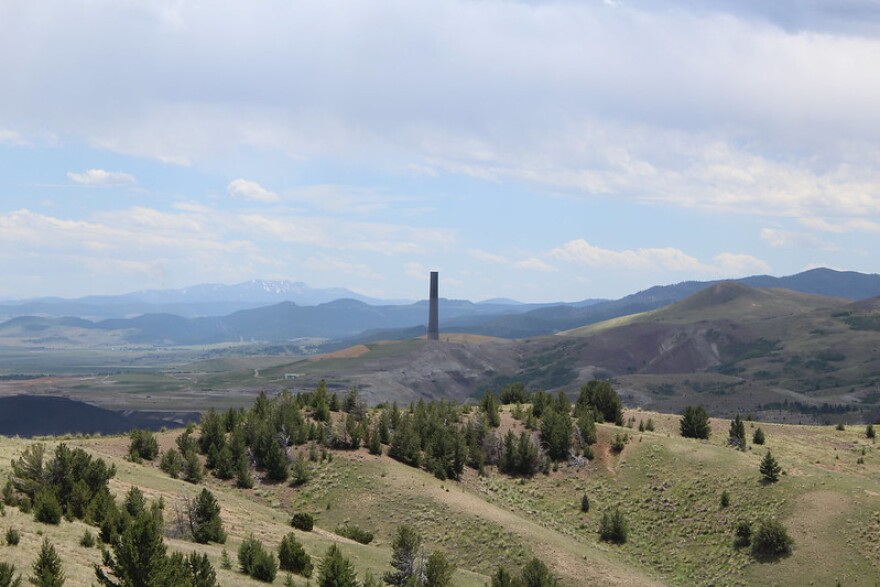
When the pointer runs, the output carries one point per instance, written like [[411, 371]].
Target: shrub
[[649, 425], [87, 540], [869, 432], [303, 521], [725, 499], [694, 423], [743, 534], [354, 533], [612, 527], [293, 558], [758, 436], [46, 507], [585, 503], [840, 427], [13, 537], [771, 539], [619, 442]]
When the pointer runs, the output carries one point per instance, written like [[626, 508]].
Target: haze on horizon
[[535, 150]]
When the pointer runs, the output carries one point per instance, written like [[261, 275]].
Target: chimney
[[433, 309]]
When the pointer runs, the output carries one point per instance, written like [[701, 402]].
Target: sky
[[534, 150]]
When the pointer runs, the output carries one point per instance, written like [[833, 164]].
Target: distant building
[[433, 309], [291, 376]]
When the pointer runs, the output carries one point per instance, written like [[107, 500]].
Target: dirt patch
[[351, 352]]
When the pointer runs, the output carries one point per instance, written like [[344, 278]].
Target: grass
[[668, 488]]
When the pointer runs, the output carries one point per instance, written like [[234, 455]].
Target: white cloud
[[535, 264], [583, 253], [657, 259], [100, 177], [794, 240], [482, 255], [11, 137], [250, 190], [340, 267], [739, 265]]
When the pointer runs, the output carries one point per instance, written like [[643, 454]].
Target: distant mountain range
[[212, 299], [348, 318]]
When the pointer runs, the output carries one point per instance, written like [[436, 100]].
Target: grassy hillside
[[668, 488]]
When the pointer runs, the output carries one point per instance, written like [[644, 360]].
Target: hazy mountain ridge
[[352, 320]]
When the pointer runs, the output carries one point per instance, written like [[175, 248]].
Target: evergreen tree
[[375, 443], [502, 578], [556, 430], [536, 574], [405, 556], [293, 558], [771, 539], [438, 570], [171, 463], [585, 503], [275, 461], [143, 445], [613, 527], [769, 468], [694, 423], [7, 576], [600, 398], [491, 409], [243, 477], [869, 432], [336, 570], [758, 436], [47, 569], [46, 507], [737, 435], [199, 572], [205, 523], [138, 557], [586, 427], [192, 467]]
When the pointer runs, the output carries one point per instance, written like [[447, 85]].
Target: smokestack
[[433, 309]]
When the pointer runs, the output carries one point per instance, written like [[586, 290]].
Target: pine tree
[[375, 444], [613, 527], [47, 569], [737, 435], [438, 570], [758, 436], [192, 467], [275, 461], [869, 432], [336, 570], [536, 574], [138, 557], [7, 576], [405, 556], [205, 523], [293, 558], [199, 572], [502, 578], [694, 423], [770, 469], [585, 503], [46, 507]]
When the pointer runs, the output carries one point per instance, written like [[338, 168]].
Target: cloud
[[416, 270], [583, 253], [340, 267], [657, 259], [717, 105], [251, 190], [535, 264], [528, 263], [11, 137], [794, 240], [738, 265], [100, 177]]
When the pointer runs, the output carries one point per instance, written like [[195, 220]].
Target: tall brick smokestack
[[434, 309]]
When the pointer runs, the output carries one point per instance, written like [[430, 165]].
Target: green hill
[[667, 487]]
